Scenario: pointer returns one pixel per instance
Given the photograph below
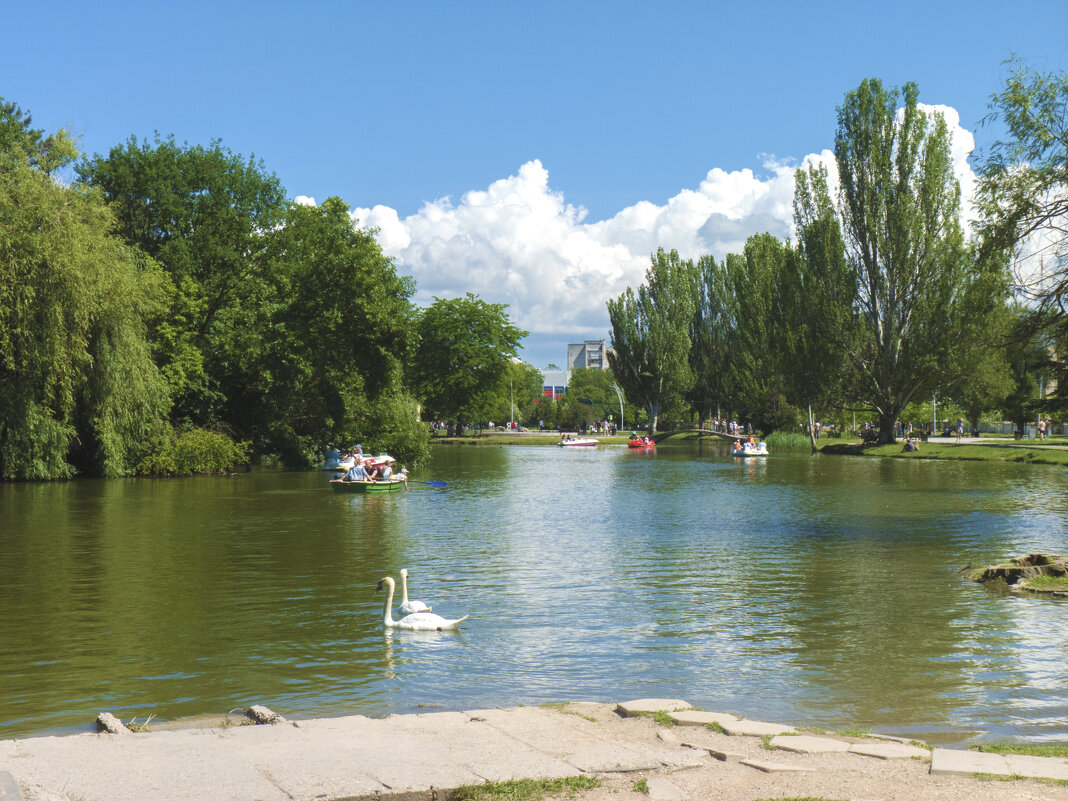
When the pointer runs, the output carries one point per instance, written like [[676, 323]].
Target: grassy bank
[[987, 452], [525, 438]]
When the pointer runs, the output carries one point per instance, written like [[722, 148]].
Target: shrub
[[788, 442], [194, 451]]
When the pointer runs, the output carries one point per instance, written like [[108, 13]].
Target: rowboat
[[390, 485], [641, 443], [581, 442]]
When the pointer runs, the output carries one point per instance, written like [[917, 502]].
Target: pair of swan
[[417, 615]]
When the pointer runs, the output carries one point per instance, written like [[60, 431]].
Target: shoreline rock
[[1017, 572]]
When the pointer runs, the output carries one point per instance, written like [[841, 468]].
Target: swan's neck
[[404, 588], [388, 614]]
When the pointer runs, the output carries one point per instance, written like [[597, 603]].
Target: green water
[[821, 591]]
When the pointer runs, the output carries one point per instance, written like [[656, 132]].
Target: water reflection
[[815, 590]]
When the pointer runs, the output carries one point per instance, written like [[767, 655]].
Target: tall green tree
[[1023, 193], [465, 346], [650, 346], [914, 278], [756, 356], [80, 390], [817, 302], [714, 321], [203, 213], [325, 342]]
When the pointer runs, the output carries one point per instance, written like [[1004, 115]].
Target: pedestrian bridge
[[705, 432]]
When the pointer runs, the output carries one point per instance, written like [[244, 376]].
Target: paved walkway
[[422, 757]]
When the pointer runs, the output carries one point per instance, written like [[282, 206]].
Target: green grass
[[1047, 583], [139, 728], [1048, 750], [853, 732], [524, 789], [663, 718], [641, 786], [713, 726], [562, 706], [965, 452]]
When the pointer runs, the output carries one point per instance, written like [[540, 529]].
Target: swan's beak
[[379, 587]]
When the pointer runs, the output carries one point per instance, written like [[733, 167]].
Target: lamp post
[[619, 395]]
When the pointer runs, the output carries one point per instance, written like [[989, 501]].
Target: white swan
[[409, 607], [420, 621]]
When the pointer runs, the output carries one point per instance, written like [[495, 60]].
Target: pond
[[821, 591]]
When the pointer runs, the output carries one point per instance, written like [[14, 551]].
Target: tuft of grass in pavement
[[524, 789], [1037, 749], [641, 786], [854, 732], [139, 728], [713, 726], [562, 706]]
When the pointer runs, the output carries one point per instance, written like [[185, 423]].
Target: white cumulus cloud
[[520, 243]]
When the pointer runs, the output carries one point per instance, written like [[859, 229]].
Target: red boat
[[641, 443]]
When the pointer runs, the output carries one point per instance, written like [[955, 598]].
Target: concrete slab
[[665, 736], [806, 744], [755, 728], [9, 791], [1036, 767], [776, 767], [952, 762], [889, 751], [161, 766], [580, 743], [698, 718], [660, 789], [647, 706], [723, 755]]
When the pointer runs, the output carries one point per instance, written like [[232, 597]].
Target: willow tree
[[80, 391], [650, 347], [920, 295], [1023, 200]]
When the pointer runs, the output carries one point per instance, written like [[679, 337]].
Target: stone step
[[648, 706]]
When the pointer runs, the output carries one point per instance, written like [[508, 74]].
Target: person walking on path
[[960, 428]]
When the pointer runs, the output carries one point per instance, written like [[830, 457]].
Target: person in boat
[[385, 472], [372, 470], [331, 456], [403, 475], [356, 473]]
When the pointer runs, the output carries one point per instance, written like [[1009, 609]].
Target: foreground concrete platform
[[424, 757]]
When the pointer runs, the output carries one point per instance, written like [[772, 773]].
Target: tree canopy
[[650, 343], [464, 348], [80, 389], [919, 293]]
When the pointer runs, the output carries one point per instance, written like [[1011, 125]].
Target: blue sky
[[534, 153]]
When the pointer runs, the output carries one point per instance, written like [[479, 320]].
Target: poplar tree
[[650, 345], [920, 294]]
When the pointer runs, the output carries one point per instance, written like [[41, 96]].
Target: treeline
[[880, 304], [171, 311]]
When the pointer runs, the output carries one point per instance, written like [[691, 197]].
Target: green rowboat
[[392, 485]]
